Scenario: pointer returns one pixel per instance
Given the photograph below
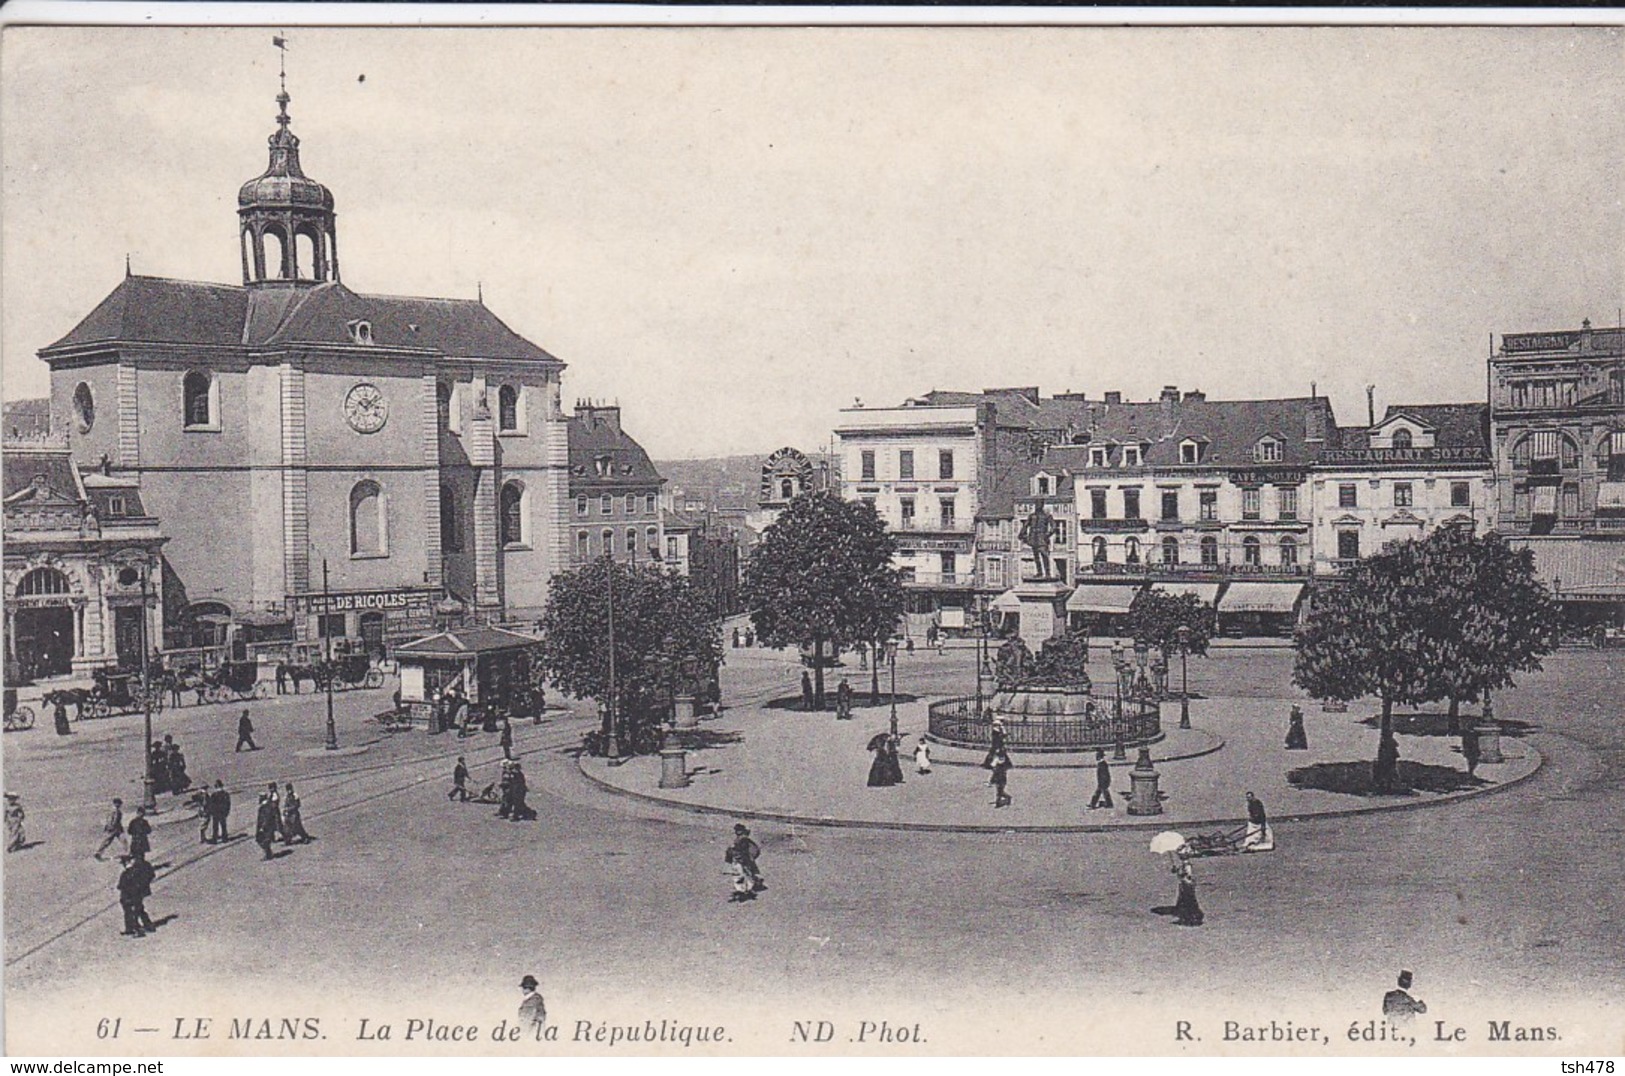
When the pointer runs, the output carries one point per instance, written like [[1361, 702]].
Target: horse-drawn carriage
[[354, 671], [111, 692], [232, 681], [18, 717]]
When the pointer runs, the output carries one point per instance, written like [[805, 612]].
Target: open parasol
[[1167, 841]]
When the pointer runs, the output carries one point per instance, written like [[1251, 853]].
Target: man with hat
[[134, 887], [140, 831], [1399, 1006], [267, 821], [113, 831], [532, 1010], [245, 734]]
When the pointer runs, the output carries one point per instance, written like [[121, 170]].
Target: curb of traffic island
[[1208, 742], [1157, 822]]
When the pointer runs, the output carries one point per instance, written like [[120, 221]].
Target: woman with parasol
[[880, 771], [1187, 912]]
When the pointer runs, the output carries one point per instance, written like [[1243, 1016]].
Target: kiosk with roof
[[490, 667]]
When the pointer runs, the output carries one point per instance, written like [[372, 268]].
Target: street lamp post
[[1184, 633], [891, 660], [149, 797], [327, 604], [612, 747]]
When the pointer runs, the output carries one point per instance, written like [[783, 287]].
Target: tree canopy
[[1447, 617], [1156, 616], [823, 574], [667, 638]]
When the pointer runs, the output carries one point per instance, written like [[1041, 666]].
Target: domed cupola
[[288, 234]]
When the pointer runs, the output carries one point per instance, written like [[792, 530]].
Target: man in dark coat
[[1296, 738], [1470, 751], [745, 852], [219, 812], [60, 715], [158, 762], [518, 789], [179, 779], [843, 700], [266, 824], [134, 887], [245, 734], [140, 831], [806, 691], [1398, 1005], [506, 740], [1103, 783], [459, 781]]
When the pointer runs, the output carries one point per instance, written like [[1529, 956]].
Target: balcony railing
[[1185, 570], [939, 579]]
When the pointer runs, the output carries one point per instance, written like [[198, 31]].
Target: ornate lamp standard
[[327, 602], [149, 798], [891, 660], [1184, 634]]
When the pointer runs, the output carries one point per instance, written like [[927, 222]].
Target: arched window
[[84, 407], [1099, 547], [651, 540], [198, 399], [368, 520], [1289, 551], [632, 542], [1250, 551], [442, 399], [1570, 453], [41, 582], [1131, 550], [508, 409], [271, 246], [1616, 388], [606, 542], [787, 489], [304, 245], [1521, 452], [1170, 550], [583, 549], [512, 514], [1210, 550], [451, 539], [1401, 438]]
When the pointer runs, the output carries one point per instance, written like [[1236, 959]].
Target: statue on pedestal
[[1037, 531]]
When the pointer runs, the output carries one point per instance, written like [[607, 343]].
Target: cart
[[18, 718], [235, 680], [354, 671], [1228, 843]]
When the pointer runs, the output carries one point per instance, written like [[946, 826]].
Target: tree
[[1156, 616], [1490, 617], [662, 623], [1448, 617], [823, 573]]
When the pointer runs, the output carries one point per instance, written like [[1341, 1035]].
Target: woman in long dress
[[922, 756], [1187, 912], [880, 769]]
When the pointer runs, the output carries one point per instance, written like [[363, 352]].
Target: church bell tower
[[288, 235]]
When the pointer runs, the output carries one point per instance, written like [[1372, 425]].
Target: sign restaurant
[[1404, 455]]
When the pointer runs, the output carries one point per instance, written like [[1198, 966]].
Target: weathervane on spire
[[282, 98]]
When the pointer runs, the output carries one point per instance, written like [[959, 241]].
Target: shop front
[[373, 622]]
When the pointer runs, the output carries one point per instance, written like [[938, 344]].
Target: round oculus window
[[84, 407]]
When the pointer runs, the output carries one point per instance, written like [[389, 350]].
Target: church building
[[325, 462]]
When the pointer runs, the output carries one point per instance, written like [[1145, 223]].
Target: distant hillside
[[722, 482]]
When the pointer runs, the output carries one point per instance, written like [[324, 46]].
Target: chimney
[[1370, 405], [1195, 396], [1114, 397], [1314, 422], [1170, 405]]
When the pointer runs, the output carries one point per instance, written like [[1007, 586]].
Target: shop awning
[[1207, 592], [1006, 603], [1579, 567], [1545, 501], [1610, 496], [1250, 597], [468, 643], [1101, 598]]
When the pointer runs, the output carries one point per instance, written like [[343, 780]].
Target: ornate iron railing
[[955, 721]]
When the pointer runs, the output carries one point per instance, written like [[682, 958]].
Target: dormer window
[[115, 505], [360, 332], [1267, 450], [1190, 452], [604, 465], [1041, 485], [1401, 438], [1097, 456], [1131, 455]]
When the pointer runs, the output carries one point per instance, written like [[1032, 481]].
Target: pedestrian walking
[[134, 887], [158, 763], [281, 678], [219, 813], [505, 788], [60, 715], [140, 831], [843, 701], [746, 853], [1000, 780], [506, 740], [1103, 783], [863, 656], [173, 679], [736, 638], [532, 1009], [1259, 838], [1296, 738], [806, 691], [113, 831], [1187, 912], [880, 769], [179, 779], [293, 822], [1470, 751], [15, 837], [922, 756], [245, 734], [908, 645], [518, 789], [265, 825], [742, 889], [995, 744], [459, 781]]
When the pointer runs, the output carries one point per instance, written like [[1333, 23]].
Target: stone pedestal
[[673, 767], [1043, 611], [687, 713], [1143, 796], [1489, 743]]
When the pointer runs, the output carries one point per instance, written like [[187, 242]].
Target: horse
[[287, 671]]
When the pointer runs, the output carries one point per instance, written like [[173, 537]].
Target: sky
[[735, 233]]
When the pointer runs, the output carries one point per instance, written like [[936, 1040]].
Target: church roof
[[158, 310]]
